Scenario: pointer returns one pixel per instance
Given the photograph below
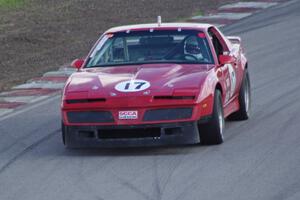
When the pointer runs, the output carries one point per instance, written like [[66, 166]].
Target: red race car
[[156, 84]]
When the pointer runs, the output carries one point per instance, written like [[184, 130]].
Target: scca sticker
[[132, 86]]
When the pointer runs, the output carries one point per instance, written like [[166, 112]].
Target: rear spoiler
[[234, 39]]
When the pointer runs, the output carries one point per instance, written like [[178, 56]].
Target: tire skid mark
[[3, 132], [132, 187], [27, 149], [83, 180], [171, 174], [157, 188], [190, 185], [268, 152], [192, 181], [270, 82], [284, 124], [288, 192], [290, 120], [260, 115], [254, 167], [17, 140], [239, 129], [291, 100], [161, 189]]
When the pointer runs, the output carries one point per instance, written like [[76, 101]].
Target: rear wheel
[[63, 132], [244, 100], [212, 132]]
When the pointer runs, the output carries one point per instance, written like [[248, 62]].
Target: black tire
[[63, 132], [244, 100], [66, 136], [211, 133]]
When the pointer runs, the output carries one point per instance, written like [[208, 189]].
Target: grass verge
[[11, 3]]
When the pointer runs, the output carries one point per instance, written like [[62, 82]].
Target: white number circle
[[132, 86]]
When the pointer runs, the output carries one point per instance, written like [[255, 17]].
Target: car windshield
[[143, 47]]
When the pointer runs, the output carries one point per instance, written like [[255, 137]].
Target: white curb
[[257, 5], [61, 73], [219, 25], [229, 16], [41, 84], [70, 69], [23, 99]]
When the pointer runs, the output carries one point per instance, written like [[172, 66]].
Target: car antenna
[[159, 20]]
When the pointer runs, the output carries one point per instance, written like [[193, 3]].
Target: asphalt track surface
[[260, 158]]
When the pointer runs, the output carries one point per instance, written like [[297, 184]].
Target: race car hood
[[163, 79]]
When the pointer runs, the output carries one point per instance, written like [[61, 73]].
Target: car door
[[228, 72]]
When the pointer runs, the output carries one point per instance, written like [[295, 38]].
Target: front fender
[[205, 100]]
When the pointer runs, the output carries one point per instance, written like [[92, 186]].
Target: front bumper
[[132, 135]]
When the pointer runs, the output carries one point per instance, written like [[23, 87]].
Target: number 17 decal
[[138, 85], [132, 86]]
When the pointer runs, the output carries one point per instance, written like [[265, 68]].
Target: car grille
[[89, 117], [168, 114]]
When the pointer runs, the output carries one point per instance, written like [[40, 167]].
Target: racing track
[[260, 158]]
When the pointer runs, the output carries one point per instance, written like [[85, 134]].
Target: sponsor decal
[[132, 86], [232, 77], [128, 114], [227, 89]]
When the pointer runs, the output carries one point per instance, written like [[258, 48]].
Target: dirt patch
[[43, 34]]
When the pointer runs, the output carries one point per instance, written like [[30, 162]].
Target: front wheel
[[244, 100], [211, 133]]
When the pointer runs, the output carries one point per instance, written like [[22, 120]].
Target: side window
[[217, 44], [101, 53]]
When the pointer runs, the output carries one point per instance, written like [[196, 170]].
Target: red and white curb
[[231, 13], [34, 90], [41, 88]]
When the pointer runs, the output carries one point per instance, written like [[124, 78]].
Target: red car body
[[187, 87]]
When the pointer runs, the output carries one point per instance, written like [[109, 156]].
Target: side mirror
[[226, 59], [77, 63]]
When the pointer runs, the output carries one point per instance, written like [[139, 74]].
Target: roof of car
[[161, 26]]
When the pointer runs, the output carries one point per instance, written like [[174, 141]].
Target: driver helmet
[[192, 47]]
